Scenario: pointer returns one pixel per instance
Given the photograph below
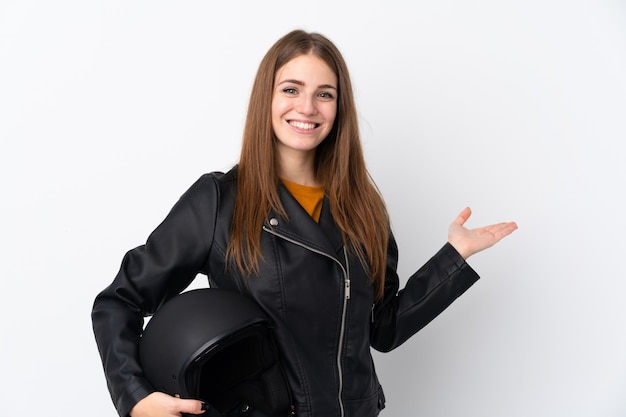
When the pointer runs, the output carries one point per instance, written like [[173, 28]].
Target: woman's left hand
[[470, 241]]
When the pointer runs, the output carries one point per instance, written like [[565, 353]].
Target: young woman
[[299, 227]]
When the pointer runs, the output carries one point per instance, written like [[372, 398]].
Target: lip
[[303, 126]]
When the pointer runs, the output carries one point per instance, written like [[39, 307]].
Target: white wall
[[109, 110]]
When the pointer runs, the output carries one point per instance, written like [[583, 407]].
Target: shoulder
[[212, 189], [218, 178], [215, 179]]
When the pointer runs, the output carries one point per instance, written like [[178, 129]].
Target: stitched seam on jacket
[[432, 290]]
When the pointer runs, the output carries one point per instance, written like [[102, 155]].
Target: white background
[[109, 110]]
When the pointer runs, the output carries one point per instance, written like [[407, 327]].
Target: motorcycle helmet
[[216, 346]]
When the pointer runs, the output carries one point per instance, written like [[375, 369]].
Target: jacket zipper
[[346, 279]]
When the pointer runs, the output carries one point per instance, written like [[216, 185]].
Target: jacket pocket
[[365, 407]]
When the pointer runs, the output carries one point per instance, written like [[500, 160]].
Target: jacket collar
[[300, 227]]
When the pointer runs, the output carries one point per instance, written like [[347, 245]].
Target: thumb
[[463, 216], [191, 406]]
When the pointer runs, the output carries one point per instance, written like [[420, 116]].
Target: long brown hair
[[355, 203]]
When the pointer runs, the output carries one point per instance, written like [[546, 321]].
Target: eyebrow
[[298, 82]]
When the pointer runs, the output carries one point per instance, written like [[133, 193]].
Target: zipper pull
[[373, 305], [347, 288]]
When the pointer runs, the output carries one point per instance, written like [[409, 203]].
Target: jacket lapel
[[300, 227]]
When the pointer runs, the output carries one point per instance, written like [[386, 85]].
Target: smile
[[303, 125]]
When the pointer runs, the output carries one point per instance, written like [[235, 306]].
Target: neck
[[298, 169]]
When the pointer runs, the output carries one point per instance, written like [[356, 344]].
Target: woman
[[299, 227]]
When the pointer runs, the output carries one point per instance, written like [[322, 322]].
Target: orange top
[[310, 198]]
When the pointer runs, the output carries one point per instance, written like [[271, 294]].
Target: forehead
[[305, 68]]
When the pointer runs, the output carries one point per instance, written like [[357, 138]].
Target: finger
[[501, 230], [463, 216], [507, 229], [190, 406]]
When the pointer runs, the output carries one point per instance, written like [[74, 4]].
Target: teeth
[[302, 125]]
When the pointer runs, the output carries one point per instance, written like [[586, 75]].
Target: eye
[[290, 90], [326, 95]]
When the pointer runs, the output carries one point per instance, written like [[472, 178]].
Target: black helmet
[[216, 346]]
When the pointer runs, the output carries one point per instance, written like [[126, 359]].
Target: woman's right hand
[[159, 404]]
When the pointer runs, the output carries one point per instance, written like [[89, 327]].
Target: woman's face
[[304, 104]]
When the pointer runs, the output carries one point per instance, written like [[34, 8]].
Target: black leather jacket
[[318, 295]]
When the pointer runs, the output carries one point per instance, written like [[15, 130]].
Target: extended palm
[[470, 241]]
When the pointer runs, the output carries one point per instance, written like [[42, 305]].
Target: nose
[[306, 104]]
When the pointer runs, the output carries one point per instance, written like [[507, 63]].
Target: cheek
[[330, 114], [278, 109], [276, 116]]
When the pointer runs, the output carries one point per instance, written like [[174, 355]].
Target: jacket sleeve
[[427, 293], [149, 275]]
